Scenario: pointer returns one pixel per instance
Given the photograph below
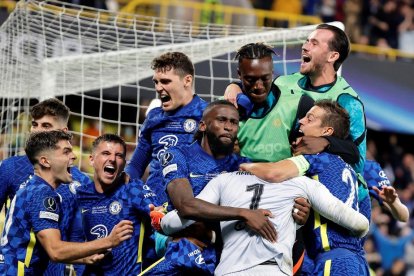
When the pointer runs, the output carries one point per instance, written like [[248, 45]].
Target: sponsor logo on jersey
[[50, 204], [115, 208], [382, 174], [199, 260], [84, 211], [146, 187], [100, 231], [195, 252], [1, 258], [189, 125], [73, 186]]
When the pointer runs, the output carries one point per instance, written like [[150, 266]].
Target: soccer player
[[275, 106], [332, 248], [107, 200], [247, 254], [172, 124], [264, 135], [31, 234], [187, 169], [47, 115]]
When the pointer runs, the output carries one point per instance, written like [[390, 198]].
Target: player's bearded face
[[315, 52], [221, 130], [256, 76], [108, 161]]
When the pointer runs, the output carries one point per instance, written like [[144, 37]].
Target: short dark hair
[[254, 51], [109, 137], [52, 107], [178, 61], [198, 135], [335, 117], [44, 140], [339, 43]]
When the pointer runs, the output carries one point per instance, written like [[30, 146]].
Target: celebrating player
[[31, 235], [108, 200], [172, 124]]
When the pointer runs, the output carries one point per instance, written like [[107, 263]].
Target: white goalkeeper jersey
[[244, 249]]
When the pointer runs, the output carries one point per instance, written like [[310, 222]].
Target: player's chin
[[258, 98]]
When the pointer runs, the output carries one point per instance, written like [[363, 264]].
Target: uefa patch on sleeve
[[49, 215], [169, 168]]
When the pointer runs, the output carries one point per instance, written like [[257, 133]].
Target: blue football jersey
[[375, 176], [16, 171], [161, 131], [102, 211], [21, 253], [320, 234], [193, 163]]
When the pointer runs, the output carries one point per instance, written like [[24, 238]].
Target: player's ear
[[202, 126], [238, 72], [91, 159], [44, 161], [333, 56], [188, 80], [328, 131]]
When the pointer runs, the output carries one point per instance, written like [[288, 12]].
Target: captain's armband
[[301, 163]]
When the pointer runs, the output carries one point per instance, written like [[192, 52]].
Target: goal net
[[98, 63]]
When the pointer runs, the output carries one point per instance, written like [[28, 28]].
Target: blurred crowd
[[390, 245], [383, 23]]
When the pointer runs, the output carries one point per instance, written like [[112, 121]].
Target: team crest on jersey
[[100, 231], [115, 208], [50, 204], [73, 186], [189, 125]]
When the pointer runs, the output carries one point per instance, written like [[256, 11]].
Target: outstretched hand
[[258, 221], [309, 145], [387, 194]]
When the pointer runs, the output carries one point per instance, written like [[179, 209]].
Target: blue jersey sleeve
[[317, 163], [142, 153], [174, 165], [44, 211], [5, 174], [375, 176], [357, 126]]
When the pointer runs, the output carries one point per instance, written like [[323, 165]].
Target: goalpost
[[98, 63]]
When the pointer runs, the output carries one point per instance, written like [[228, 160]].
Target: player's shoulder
[[12, 160]]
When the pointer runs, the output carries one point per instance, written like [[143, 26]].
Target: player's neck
[[48, 177], [322, 78]]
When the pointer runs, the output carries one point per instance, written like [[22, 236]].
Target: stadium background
[[383, 79]]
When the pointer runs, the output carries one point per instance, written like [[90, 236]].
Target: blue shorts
[[184, 257], [340, 262]]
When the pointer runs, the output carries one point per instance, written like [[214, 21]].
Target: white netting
[[98, 63]]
